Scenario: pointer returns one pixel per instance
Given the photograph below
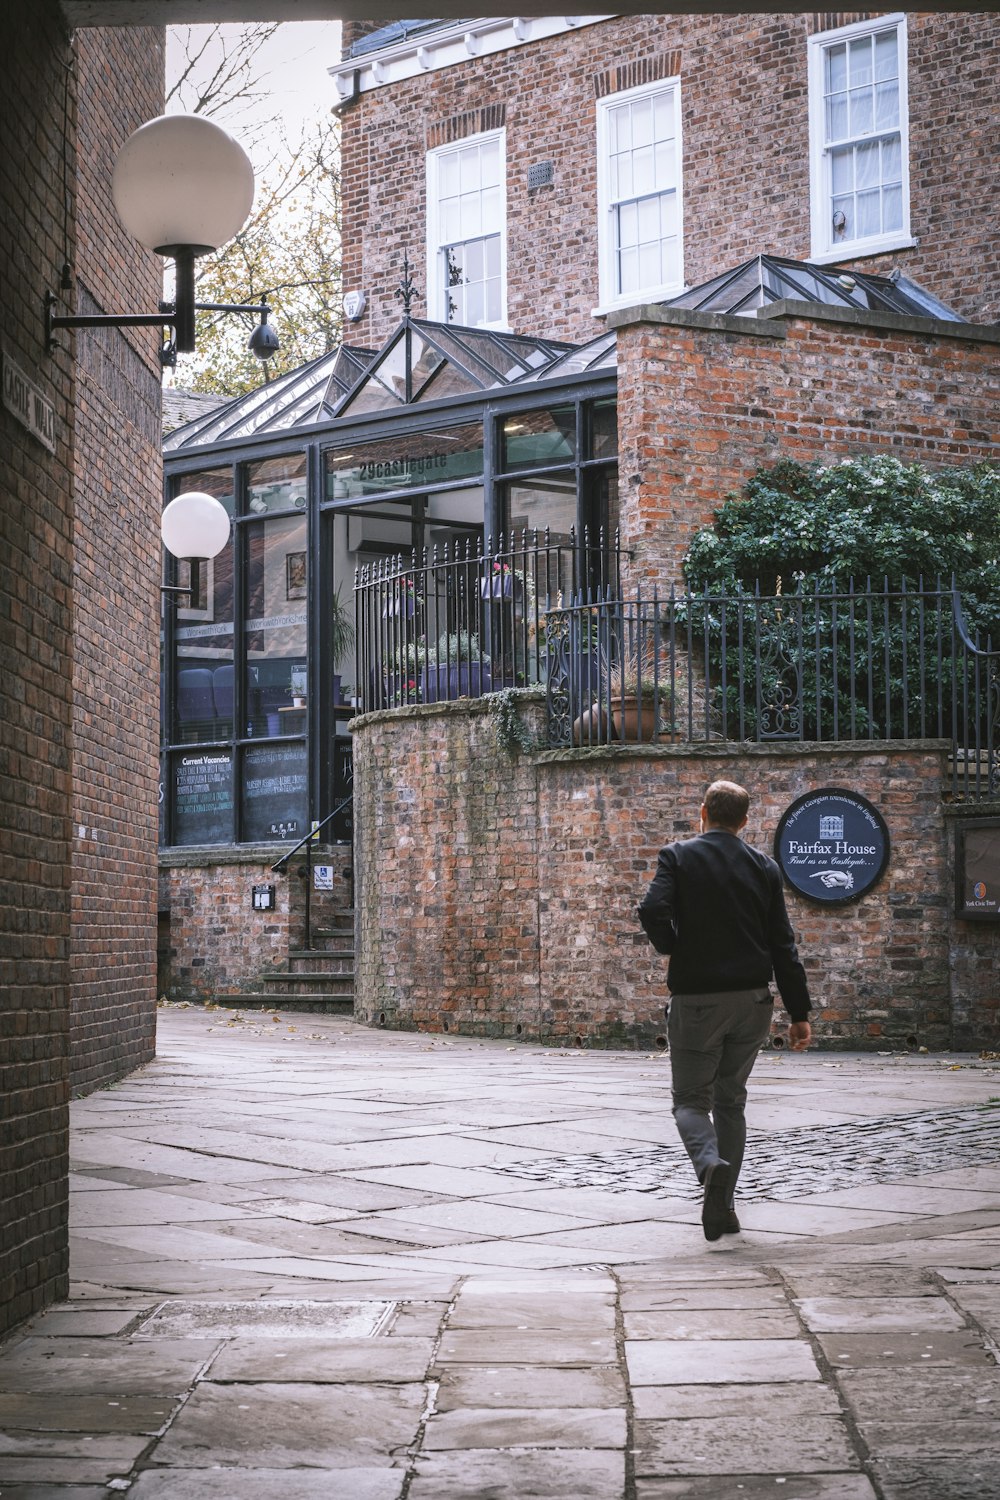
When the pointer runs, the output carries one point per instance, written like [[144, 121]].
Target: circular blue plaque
[[832, 846]]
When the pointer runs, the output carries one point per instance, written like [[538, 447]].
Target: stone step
[[325, 976], [334, 1005]]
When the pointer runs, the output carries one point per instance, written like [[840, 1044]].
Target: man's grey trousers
[[714, 1040]]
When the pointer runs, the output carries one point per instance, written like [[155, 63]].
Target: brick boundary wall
[[497, 896], [118, 495], [216, 944], [704, 400], [745, 131], [36, 558]]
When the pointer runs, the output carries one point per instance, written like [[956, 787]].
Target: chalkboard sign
[[203, 797], [832, 846], [274, 792], [977, 884]]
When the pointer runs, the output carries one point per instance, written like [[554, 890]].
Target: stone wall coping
[[818, 312], [733, 749], [204, 856], [958, 810], [443, 706]]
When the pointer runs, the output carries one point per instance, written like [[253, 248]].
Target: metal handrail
[[307, 843]]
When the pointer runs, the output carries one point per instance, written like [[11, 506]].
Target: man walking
[[717, 907]]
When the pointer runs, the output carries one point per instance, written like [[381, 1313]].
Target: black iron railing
[[827, 665], [471, 618], [308, 843]]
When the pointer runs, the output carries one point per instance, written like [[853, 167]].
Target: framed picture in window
[[295, 575]]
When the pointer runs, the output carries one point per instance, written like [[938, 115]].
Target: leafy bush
[[840, 631]]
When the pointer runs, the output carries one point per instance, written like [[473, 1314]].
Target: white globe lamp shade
[[195, 525], [181, 180]]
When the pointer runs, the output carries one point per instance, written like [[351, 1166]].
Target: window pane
[[892, 161], [648, 212], [836, 117], [470, 177], [862, 112], [493, 257], [451, 222], [407, 462], [604, 429], [642, 171], [860, 61], [842, 171], [649, 264], [276, 626], [836, 68], [665, 164], [543, 503], [494, 311], [472, 221], [867, 161], [670, 270], [892, 209], [663, 116], [886, 105], [491, 211], [886, 55], [668, 214], [642, 123], [533, 439], [869, 214], [621, 177], [489, 158], [628, 271], [628, 224], [277, 484], [845, 206], [448, 174], [619, 133]]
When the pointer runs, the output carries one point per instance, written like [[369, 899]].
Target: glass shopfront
[[259, 684]]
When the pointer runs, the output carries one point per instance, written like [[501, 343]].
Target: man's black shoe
[[732, 1223], [715, 1208]]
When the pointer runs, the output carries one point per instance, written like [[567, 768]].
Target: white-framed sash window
[[467, 232], [859, 148], [640, 228]]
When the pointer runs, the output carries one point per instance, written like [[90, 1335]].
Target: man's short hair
[[727, 804]]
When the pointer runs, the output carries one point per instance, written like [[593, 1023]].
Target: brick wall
[[745, 142], [497, 896], [701, 405], [216, 943], [117, 563], [35, 682]]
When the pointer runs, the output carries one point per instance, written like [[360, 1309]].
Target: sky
[[292, 68]]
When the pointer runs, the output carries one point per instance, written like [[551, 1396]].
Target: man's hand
[[799, 1035]]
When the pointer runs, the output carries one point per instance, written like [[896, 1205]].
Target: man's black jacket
[[718, 908]]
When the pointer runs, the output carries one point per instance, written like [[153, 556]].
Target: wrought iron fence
[[829, 664], [826, 665], [471, 618]]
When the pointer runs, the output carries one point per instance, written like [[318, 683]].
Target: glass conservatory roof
[[309, 394], [420, 361], [753, 286]]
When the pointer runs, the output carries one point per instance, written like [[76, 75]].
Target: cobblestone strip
[[825, 1158]]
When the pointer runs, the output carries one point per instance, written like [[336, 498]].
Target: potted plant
[[342, 635], [639, 696], [453, 668]]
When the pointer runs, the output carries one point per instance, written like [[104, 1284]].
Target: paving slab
[[864, 1315], [759, 1487], [525, 1348], [883, 1395], [526, 1427], [735, 1445], [90, 1366], [38, 1412], [571, 1312], [719, 1323], [680, 1299], [86, 1322], [859, 1351], [887, 1281], [520, 1474], [287, 1426], [765, 1402], [945, 1442], [529, 1386], [718, 1361], [321, 1361], [266, 1484], [975, 1477], [43, 1491]]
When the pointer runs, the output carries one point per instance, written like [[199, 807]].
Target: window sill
[[862, 249], [638, 299]]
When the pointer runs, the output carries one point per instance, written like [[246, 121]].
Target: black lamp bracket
[[179, 316]]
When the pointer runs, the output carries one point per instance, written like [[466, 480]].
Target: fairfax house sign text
[[832, 846], [25, 402]]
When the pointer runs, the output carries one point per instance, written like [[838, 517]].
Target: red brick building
[[645, 256]]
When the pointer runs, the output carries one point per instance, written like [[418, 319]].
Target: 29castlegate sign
[[832, 846]]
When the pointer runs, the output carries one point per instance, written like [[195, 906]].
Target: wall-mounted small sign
[[25, 402], [977, 870], [832, 846], [323, 877], [263, 898]]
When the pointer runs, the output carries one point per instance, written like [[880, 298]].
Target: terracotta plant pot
[[633, 720]]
